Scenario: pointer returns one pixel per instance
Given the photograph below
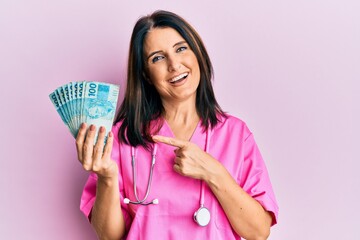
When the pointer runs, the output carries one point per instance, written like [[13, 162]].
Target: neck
[[182, 119], [183, 113]]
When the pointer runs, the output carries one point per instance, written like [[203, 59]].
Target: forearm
[[107, 218], [247, 217]]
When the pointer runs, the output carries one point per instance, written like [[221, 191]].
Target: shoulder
[[116, 130], [232, 124], [153, 124], [230, 119], [117, 126], [120, 129]]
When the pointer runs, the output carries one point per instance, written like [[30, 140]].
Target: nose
[[173, 64]]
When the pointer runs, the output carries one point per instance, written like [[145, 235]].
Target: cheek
[[196, 69], [154, 79], [155, 74], [157, 81], [192, 60]]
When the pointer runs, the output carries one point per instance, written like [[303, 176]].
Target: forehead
[[161, 39]]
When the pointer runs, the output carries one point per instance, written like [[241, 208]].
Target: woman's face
[[171, 65]]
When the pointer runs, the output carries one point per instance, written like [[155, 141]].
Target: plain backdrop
[[289, 69]]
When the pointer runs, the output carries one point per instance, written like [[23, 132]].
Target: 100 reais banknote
[[86, 102]]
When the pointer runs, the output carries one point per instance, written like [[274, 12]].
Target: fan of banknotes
[[89, 102]]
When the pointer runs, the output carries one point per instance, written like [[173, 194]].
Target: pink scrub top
[[231, 143]]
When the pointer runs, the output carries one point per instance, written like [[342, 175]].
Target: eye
[[156, 58], [180, 49]]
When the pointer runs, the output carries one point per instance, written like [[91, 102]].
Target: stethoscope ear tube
[[154, 201]]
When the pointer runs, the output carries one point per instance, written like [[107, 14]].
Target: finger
[[176, 168], [98, 150], [88, 148], [80, 141], [170, 141], [108, 146], [179, 169], [177, 160], [179, 152]]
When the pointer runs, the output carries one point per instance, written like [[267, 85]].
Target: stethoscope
[[133, 164], [201, 216]]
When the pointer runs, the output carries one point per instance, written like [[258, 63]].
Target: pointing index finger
[[170, 141]]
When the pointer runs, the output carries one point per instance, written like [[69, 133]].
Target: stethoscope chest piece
[[202, 216]]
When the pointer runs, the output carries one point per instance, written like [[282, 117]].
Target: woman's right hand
[[96, 158]]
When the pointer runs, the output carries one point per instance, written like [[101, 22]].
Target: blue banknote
[[100, 102], [90, 102], [81, 94], [60, 93], [55, 100]]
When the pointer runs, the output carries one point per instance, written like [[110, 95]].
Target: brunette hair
[[142, 103]]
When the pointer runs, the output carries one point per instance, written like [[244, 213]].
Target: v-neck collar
[[198, 137]]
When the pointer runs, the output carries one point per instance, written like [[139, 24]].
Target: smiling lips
[[179, 78]]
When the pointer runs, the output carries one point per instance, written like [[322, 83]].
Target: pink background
[[290, 69]]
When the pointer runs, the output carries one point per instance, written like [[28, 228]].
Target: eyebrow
[[155, 52]]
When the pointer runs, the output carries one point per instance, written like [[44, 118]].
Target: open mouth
[[179, 78]]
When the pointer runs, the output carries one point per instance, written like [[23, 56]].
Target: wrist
[[108, 181], [215, 178]]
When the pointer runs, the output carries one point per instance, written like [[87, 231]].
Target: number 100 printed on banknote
[[89, 102]]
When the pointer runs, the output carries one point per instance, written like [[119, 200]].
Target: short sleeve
[[89, 193], [255, 178], [88, 196]]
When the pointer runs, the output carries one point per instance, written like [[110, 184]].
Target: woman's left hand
[[190, 159], [246, 215]]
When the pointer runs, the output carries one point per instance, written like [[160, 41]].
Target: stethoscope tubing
[[133, 163]]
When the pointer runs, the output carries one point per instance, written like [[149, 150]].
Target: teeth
[[178, 77]]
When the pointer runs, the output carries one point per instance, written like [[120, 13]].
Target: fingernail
[[92, 127], [102, 129], [111, 134], [82, 126]]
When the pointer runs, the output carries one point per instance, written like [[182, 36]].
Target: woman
[[208, 181]]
